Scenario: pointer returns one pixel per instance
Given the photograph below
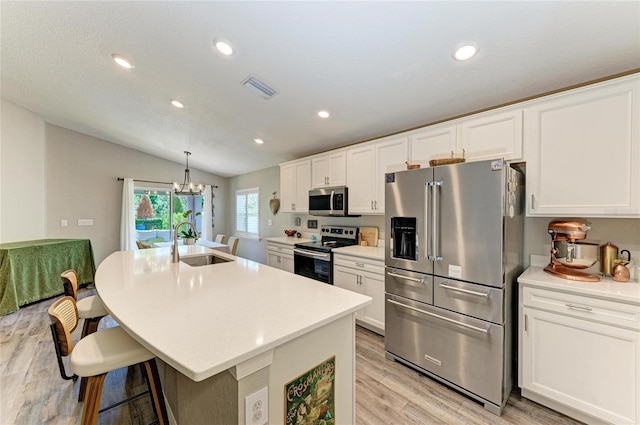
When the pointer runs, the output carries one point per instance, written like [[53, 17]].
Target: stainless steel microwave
[[329, 201]]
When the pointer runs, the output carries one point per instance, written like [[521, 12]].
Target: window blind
[[248, 212]]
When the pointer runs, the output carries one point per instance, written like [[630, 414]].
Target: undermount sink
[[203, 260]]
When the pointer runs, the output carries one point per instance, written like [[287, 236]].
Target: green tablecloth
[[30, 270]]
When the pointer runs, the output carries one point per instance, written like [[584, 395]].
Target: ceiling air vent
[[258, 87]]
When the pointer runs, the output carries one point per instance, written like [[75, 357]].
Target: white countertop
[[204, 320], [287, 240], [372, 252], [607, 288]]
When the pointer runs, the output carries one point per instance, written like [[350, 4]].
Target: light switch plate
[[63, 223]]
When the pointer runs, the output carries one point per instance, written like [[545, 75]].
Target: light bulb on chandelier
[[187, 187]]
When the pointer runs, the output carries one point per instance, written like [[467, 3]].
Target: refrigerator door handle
[[427, 233], [435, 221]]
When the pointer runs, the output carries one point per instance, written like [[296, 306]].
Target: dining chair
[[89, 308], [233, 244], [98, 353], [221, 238]]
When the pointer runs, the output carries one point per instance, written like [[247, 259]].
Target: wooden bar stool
[[233, 245], [90, 308], [221, 238], [99, 353]]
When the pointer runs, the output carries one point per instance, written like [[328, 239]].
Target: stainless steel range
[[315, 259], [453, 252]]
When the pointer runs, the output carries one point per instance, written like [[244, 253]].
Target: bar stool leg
[[83, 389], [155, 388], [92, 399]]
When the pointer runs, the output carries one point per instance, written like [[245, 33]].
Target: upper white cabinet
[[329, 169], [484, 136], [433, 142], [492, 135], [583, 151], [366, 169], [295, 182]]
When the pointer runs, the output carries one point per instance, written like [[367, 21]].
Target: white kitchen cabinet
[[280, 256], [295, 182], [483, 136], [492, 135], [582, 149], [366, 169], [580, 354], [433, 142], [365, 276], [329, 169]]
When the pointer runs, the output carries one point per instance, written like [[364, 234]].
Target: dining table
[[30, 270]]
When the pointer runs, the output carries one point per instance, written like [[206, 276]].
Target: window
[[247, 212], [157, 210]]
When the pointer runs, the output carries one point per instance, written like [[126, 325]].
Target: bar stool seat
[[108, 350], [90, 307], [98, 353]]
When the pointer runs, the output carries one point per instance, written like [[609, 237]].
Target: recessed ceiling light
[[258, 141], [324, 114], [223, 46], [123, 62], [465, 52], [177, 103]]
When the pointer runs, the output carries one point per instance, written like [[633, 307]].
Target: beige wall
[[22, 174], [82, 184], [65, 175]]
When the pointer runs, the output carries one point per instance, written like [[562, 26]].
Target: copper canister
[[608, 253]]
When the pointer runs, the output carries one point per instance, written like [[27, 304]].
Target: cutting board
[[369, 235]]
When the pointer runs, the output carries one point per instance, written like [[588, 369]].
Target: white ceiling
[[379, 67]]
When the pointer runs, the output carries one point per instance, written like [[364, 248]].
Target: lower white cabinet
[[280, 256], [365, 276], [580, 355]]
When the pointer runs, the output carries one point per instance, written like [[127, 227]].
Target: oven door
[[314, 265]]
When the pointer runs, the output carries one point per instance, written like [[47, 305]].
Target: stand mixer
[[567, 233]]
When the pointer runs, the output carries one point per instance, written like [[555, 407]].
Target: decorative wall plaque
[[310, 398]]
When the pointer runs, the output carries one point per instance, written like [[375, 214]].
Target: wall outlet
[[257, 407], [270, 222], [85, 222], [63, 223]]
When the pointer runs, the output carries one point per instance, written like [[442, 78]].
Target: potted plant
[[188, 236]]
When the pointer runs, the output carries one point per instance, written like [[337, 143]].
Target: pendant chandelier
[[187, 188]]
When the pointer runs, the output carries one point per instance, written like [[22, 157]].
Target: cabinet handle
[[359, 264], [533, 201], [526, 323], [293, 206], [376, 204], [578, 307], [371, 204]]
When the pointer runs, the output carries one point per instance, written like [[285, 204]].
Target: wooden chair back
[[233, 244], [64, 318], [221, 238], [70, 283]]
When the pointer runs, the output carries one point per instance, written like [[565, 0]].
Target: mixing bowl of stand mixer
[[570, 252]]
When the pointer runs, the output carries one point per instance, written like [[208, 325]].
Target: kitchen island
[[225, 330]]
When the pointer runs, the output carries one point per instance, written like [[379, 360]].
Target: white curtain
[[127, 219], [207, 231]]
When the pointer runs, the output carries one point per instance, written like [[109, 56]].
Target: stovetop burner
[[332, 237]]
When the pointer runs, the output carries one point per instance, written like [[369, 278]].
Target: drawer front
[[359, 263], [465, 351], [473, 300], [602, 311], [282, 249], [412, 285]]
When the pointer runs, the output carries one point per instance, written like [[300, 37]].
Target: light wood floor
[[32, 391]]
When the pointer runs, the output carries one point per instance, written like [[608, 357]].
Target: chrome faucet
[[175, 256]]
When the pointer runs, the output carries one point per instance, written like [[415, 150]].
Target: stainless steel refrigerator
[[454, 243]]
